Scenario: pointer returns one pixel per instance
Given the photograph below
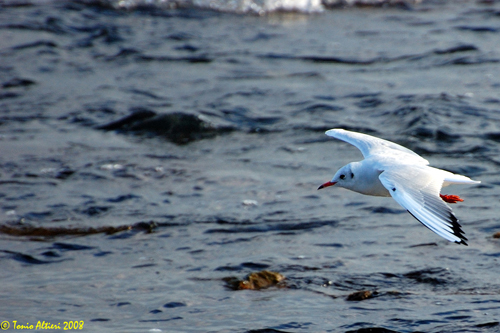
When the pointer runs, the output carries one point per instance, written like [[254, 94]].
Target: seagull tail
[[453, 178]]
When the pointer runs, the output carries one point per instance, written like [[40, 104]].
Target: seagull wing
[[417, 189], [370, 145]]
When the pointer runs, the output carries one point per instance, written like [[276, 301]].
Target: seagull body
[[393, 170]]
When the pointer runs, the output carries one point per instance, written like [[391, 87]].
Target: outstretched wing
[[417, 190], [370, 145]]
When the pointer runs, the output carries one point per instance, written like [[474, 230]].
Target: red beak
[[326, 185]]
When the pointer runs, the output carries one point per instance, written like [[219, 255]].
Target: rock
[[360, 295], [255, 281]]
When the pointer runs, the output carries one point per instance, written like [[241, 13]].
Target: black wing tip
[[457, 230], [455, 227]]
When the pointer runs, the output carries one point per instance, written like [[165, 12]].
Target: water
[[149, 153]]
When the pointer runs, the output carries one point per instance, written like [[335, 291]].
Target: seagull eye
[[342, 176]]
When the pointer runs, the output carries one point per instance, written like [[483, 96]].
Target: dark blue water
[[149, 155]]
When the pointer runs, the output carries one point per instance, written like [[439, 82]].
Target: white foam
[[260, 7], [263, 6]]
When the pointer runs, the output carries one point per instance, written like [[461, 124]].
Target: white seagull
[[393, 170]]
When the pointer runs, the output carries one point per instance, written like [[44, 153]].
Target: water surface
[[150, 153]]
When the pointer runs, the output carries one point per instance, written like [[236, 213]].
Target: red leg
[[450, 198]]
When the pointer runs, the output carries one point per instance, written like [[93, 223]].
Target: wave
[[260, 7]]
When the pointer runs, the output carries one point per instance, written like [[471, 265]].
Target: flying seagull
[[393, 170]]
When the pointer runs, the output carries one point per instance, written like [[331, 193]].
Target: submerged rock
[[177, 127], [373, 330], [21, 229], [361, 295]]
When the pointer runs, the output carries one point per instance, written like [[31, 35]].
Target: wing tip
[[456, 229], [332, 131]]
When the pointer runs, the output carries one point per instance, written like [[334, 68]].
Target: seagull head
[[343, 178]]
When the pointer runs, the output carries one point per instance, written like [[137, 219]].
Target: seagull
[[393, 170]]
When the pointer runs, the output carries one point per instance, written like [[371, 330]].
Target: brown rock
[[256, 281], [360, 295]]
